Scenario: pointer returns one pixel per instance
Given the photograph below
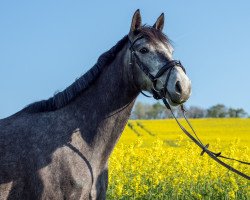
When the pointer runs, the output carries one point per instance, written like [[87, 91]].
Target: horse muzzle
[[178, 87]]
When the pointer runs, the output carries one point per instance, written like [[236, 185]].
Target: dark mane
[[61, 99], [153, 34]]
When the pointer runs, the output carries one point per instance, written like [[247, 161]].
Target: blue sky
[[46, 45]]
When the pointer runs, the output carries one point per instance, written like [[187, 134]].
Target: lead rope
[[205, 147], [216, 154]]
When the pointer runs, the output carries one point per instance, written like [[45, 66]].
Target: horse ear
[[136, 21], [159, 24]]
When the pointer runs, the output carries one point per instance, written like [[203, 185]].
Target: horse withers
[[59, 148]]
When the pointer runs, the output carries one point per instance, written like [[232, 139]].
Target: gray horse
[[59, 148]]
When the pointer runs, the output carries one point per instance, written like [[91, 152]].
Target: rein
[[204, 148], [160, 94]]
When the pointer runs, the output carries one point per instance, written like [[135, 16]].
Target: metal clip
[[203, 151]]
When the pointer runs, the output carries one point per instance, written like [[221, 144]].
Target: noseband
[[170, 65]]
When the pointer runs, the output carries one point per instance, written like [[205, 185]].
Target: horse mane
[[64, 97]]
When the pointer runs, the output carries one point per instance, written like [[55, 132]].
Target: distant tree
[[217, 111], [156, 111], [167, 113], [149, 111], [159, 111], [139, 111], [196, 112], [236, 113]]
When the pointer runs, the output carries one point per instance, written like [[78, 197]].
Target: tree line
[[159, 111]]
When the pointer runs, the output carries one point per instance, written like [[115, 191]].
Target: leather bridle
[[169, 66], [161, 94]]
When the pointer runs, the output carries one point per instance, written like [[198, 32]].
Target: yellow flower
[[231, 195], [167, 165]]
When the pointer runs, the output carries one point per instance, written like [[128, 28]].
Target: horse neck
[[103, 110]]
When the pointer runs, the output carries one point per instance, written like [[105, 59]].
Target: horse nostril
[[178, 88]]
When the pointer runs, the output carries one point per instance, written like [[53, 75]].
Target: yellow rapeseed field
[[155, 160]]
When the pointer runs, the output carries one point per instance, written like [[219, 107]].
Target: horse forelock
[[154, 35]]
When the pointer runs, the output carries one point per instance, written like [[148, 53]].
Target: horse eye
[[143, 50]]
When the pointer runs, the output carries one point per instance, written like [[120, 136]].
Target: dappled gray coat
[[59, 148]]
